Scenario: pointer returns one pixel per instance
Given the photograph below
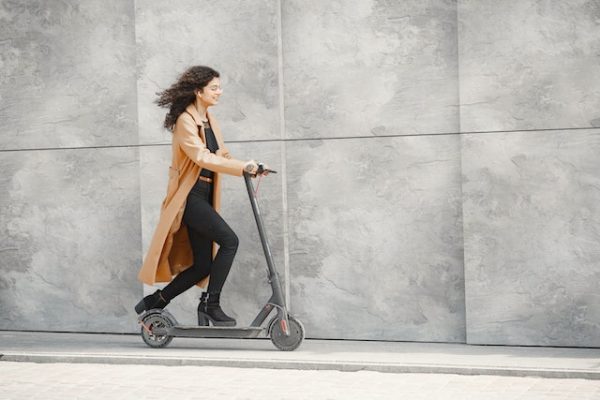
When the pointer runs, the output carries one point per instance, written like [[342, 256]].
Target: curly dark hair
[[181, 94]]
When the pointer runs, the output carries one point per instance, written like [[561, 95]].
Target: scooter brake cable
[[257, 186], [146, 327]]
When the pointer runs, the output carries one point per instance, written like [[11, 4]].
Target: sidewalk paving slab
[[340, 355]]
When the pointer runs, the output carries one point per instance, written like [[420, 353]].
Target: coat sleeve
[[186, 136], [226, 153]]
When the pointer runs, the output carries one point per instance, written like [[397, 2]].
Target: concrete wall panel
[[376, 238], [69, 222], [67, 74], [529, 64], [532, 228], [369, 68], [237, 38]]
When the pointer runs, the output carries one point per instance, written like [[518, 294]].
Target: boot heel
[[213, 311], [202, 320]]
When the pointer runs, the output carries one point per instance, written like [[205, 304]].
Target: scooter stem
[[278, 298]]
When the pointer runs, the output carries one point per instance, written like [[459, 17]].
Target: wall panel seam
[[283, 158], [591, 128], [460, 149]]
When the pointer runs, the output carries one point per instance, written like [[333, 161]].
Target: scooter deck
[[212, 332]]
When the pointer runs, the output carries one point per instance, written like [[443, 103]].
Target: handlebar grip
[[261, 169], [271, 171]]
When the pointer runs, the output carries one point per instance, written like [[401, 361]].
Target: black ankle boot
[[211, 311], [155, 300]]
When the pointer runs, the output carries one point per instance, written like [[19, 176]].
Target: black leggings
[[204, 225]]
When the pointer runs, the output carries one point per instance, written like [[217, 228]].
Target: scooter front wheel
[[152, 325], [280, 339]]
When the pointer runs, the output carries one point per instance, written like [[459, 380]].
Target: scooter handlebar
[[261, 170]]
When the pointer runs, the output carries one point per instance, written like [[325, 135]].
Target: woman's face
[[209, 95]]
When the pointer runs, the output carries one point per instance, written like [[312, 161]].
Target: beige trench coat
[[170, 251]]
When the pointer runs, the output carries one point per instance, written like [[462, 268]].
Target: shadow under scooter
[[159, 326]]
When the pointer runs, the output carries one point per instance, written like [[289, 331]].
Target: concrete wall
[[438, 171], [531, 175], [70, 200], [374, 215]]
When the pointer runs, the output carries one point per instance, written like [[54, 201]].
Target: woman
[[183, 243]]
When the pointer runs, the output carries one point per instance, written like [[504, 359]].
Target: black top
[[212, 145]]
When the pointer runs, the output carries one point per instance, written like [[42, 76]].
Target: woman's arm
[[186, 135]]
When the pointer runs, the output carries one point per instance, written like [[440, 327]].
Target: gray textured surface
[[59, 380], [67, 74], [246, 289], [529, 64], [154, 175], [389, 206], [69, 223], [376, 238], [237, 38], [532, 229], [369, 68]]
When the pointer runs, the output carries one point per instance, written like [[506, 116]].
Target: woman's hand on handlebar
[[251, 167]]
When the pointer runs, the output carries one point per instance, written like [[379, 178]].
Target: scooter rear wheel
[[283, 341], [152, 322]]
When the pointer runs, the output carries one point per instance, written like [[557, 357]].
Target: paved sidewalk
[[340, 355], [125, 382]]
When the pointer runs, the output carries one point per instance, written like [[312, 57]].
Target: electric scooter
[[159, 326]]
